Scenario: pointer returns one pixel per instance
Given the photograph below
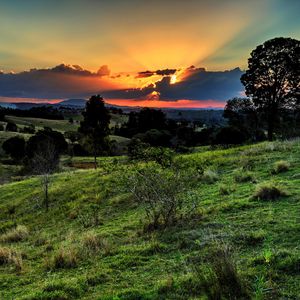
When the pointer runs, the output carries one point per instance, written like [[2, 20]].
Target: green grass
[[89, 206]]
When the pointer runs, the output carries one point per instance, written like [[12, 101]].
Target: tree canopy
[[95, 124], [272, 79]]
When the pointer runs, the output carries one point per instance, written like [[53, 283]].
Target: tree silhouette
[[242, 113], [95, 124], [272, 80]]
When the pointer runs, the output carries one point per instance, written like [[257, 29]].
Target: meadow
[[232, 242]]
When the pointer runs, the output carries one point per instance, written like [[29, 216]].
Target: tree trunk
[[46, 193], [270, 126], [95, 161], [95, 156]]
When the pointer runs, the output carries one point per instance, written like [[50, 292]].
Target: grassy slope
[[59, 125], [145, 264]]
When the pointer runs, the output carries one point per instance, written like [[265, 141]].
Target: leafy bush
[[15, 147], [140, 151], [269, 191], [11, 126], [16, 234], [280, 166]]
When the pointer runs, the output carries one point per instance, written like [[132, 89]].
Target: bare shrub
[[44, 162], [158, 191], [16, 234]]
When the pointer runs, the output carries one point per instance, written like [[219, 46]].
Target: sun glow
[[173, 79]]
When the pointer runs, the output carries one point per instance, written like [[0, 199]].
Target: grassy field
[[91, 244], [59, 125]]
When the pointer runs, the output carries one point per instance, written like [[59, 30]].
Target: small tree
[[11, 126], [73, 137], [272, 80], [44, 162], [42, 156], [15, 147], [95, 124]]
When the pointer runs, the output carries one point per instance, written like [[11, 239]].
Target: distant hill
[[72, 102]]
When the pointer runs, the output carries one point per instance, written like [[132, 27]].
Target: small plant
[[89, 217], [280, 167], [209, 176], [63, 259], [221, 279], [10, 257], [16, 234], [241, 176], [225, 189], [260, 287], [93, 243], [269, 191], [268, 255]]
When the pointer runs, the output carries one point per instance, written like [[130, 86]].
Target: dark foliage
[[229, 136], [272, 79], [37, 146], [95, 125], [45, 112], [15, 147], [10, 126]]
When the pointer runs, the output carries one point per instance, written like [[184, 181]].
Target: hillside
[[91, 243]]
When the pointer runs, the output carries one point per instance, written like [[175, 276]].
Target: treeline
[[44, 112]]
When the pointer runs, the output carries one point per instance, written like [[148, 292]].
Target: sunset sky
[[148, 53]]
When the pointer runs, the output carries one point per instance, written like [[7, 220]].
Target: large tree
[[272, 80], [95, 124]]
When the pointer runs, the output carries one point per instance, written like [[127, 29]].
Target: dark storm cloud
[[145, 74], [198, 84], [201, 84], [57, 82], [166, 72]]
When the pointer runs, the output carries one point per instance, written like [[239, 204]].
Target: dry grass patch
[[64, 258], [17, 234], [269, 191], [11, 257], [280, 167], [93, 243]]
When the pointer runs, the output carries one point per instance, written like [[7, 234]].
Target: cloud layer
[[66, 81]]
